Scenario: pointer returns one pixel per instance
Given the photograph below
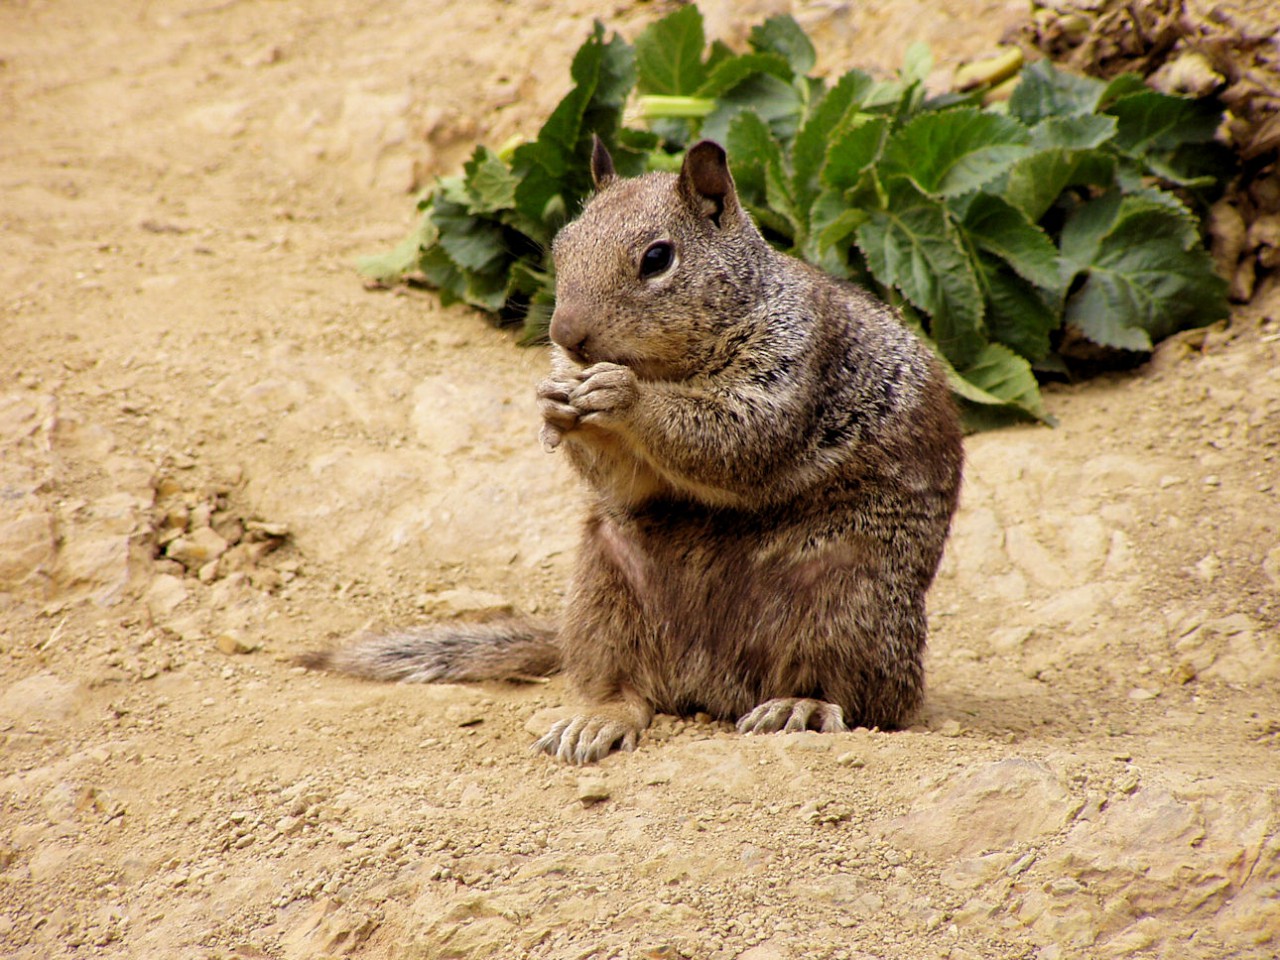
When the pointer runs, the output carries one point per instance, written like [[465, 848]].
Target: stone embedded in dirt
[[805, 740], [197, 548], [26, 547], [43, 696], [97, 562], [329, 928], [49, 861], [265, 529], [464, 600], [1235, 649], [984, 808], [465, 714], [949, 728], [1271, 566], [243, 557], [591, 789], [164, 595], [232, 642], [1158, 855]]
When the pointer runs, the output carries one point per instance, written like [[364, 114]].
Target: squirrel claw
[[793, 714], [582, 740]]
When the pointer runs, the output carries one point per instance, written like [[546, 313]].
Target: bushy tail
[[509, 649]]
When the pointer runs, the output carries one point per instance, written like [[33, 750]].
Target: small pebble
[[592, 790]]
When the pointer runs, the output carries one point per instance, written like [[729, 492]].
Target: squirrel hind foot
[[792, 715]]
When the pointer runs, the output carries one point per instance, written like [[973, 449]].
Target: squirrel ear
[[705, 180], [602, 172]]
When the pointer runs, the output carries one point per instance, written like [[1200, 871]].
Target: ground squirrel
[[772, 460]]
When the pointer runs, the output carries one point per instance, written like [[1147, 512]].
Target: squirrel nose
[[568, 331]]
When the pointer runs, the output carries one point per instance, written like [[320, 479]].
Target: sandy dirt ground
[[218, 450]]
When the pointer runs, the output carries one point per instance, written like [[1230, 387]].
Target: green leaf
[[490, 185], [669, 54], [1017, 315], [1122, 85], [774, 101], [554, 170], [1001, 229], [783, 36], [1036, 181], [394, 264], [832, 221], [826, 119], [778, 195], [473, 243], [1135, 295], [727, 74], [1145, 274], [1043, 91], [950, 153], [1151, 121], [1150, 211], [852, 151], [443, 274], [998, 377], [1086, 131], [752, 147], [917, 63], [916, 249]]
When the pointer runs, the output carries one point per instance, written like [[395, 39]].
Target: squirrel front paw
[[598, 395], [606, 391], [559, 416]]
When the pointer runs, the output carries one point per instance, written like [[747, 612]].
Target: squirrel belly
[[772, 460]]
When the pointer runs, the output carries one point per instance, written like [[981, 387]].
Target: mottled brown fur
[[773, 461]]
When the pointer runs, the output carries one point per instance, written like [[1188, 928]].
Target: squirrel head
[[659, 271]]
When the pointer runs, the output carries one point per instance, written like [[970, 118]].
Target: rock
[[164, 595], [464, 600], [196, 548], [225, 119], [232, 642], [1271, 566], [100, 563], [592, 789], [465, 714], [242, 557], [49, 861], [1186, 862], [805, 740], [264, 529], [950, 728], [26, 547], [469, 926], [1234, 649], [984, 808], [328, 929], [42, 697]]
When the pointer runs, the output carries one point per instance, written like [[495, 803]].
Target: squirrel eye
[[656, 259]]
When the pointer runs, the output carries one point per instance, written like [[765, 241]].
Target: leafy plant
[[989, 227]]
